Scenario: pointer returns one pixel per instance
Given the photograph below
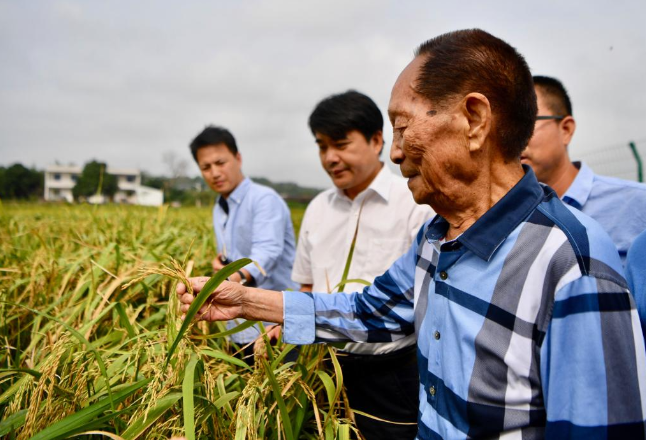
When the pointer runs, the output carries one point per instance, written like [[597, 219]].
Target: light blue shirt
[[259, 227], [524, 324], [636, 276], [618, 205]]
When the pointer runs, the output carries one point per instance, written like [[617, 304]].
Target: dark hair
[[213, 135], [336, 115], [466, 61], [557, 99]]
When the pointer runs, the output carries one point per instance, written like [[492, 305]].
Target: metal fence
[[616, 160]]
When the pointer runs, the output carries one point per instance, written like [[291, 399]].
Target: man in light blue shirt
[[618, 205], [250, 220], [525, 326], [636, 276]]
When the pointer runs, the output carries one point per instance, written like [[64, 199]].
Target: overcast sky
[[124, 82]]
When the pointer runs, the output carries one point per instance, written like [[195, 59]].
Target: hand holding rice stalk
[[220, 300]]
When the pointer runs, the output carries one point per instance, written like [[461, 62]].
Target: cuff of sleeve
[[255, 273], [298, 318]]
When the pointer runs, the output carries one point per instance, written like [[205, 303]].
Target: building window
[[57, 176], [75, 178], [130, 178]]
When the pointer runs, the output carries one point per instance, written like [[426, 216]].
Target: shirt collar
[[380, 185], [493, 228], [581, 187], [240, 191]]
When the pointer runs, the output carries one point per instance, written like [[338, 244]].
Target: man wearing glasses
[[618, 205]]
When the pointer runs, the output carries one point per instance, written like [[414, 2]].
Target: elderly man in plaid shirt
[[525, 326]]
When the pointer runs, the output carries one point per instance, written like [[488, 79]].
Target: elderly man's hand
[[225, 302]]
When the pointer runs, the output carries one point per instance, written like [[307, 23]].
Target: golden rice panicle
[[37, 417]]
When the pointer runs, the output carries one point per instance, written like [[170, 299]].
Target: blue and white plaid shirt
[[524, 323]]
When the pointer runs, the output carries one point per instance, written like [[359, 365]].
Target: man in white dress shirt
[[381, 379]]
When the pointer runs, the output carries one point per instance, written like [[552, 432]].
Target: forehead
[[542, 102], [213, 153], [403, 98], [350, 135]]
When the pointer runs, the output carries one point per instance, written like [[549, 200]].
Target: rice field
[[92, 344]]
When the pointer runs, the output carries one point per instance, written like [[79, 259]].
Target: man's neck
[[466, 204], [563, 178], [226, 196], [353, 192]]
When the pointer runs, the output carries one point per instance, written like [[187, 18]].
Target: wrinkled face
[[352, 162], [221, 169], [427, 143], [547, 148]]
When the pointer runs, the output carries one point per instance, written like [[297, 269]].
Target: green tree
[[94, 178], [152, 181], [19, 182]]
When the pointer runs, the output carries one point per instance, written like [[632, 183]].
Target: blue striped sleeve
[[383, 312]]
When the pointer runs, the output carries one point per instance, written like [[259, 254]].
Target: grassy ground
[[91, 341]]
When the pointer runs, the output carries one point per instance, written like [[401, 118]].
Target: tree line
[[17, 182]]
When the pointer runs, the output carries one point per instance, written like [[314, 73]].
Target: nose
[[396, 152], [330, 156], [213, 172]]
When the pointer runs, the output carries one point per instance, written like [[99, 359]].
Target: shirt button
[[437, 335], [444, 275], [432, 390]]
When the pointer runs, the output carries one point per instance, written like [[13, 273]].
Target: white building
[[60, 180]]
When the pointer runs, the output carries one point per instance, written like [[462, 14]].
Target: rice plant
[[93, 344]]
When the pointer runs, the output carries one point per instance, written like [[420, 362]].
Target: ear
[[239, 157], [377, 141], [567, 128], [477, 112]]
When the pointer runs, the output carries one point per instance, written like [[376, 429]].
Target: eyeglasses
[[548, 117]]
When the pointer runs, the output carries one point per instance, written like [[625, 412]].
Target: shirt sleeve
[[636, 276], [270, 216], [593, 363], [383, 312]]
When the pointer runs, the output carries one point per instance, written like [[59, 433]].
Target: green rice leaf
[[137, 427], [284, 414], [222, 400], [238, 328], [344, 431], [353, 280], [348, 261], [13, 422], [225, 357], [125, 322], [330, 390], [188, 404], [338, 373]]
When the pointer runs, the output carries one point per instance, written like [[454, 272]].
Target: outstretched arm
[[233, 300]]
